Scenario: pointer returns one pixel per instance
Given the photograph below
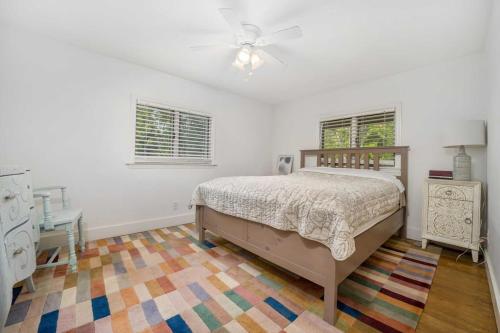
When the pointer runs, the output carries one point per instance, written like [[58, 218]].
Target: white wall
[[493, 54], [45, 85], [65, 113], [428, 97]]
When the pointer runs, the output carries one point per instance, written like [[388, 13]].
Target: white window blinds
[[167, 134], [368, 130], [336, 133], [374, 129]]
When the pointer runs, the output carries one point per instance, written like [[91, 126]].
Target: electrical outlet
[[175, 205]]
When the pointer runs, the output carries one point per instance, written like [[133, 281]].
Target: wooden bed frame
[[307, 258]]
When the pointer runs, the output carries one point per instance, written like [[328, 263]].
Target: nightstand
[[452, 213]]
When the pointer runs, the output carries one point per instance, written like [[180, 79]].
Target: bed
[[291, 223]]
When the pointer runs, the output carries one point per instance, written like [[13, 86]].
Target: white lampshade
[[468, 133]]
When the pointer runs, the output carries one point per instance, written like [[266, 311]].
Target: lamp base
[[462, 165]]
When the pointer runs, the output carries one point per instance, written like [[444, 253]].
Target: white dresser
[[452, 213], [17, 234]]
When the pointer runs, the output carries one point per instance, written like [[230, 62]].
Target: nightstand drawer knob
[[18, 251], [468, 221]]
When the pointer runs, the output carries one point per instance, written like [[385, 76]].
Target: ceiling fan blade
[[211, 47], [232, 20], [275, 37], [267, 56]]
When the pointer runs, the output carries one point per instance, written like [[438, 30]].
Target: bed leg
[[199, 223], [402, 232], [201, 234], [330, 313]]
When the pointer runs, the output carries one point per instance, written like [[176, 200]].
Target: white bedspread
[[323, 204]]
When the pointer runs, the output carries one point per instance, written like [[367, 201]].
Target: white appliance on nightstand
[[452, 214], [17, 234]]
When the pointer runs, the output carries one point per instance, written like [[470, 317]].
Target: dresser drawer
[[15, 201], [464, 193], [450, 219], [20, 251]]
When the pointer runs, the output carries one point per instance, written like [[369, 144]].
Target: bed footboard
[[283, 248]]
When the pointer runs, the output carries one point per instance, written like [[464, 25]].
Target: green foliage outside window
[[194, 135], [153, 127], [336, 137], [162, 132], [371, 131], [379, 135]]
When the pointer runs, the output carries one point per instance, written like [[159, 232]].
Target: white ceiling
[[344, 41]]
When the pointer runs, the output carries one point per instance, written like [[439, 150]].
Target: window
[[167, 134], [373, 129]]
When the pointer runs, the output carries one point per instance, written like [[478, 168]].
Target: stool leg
[[71, 247], [81, 236]]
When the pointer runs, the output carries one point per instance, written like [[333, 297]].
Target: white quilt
[[327, 205]]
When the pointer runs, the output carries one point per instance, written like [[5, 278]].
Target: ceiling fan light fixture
[[244, 55], [238, 64], [256, 61]]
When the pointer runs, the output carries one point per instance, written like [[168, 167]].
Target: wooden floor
[[459, 300]]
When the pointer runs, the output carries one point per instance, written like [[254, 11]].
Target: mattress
[[327, 205]]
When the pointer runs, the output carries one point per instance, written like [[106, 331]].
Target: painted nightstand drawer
[[464, 193], [15, 201], [20, 251], [451, 219]]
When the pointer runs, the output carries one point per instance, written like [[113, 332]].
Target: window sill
[[169, 165]]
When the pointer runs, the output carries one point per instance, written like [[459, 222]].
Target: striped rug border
[[396, 297]]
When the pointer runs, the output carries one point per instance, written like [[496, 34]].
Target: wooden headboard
[[358, 158]]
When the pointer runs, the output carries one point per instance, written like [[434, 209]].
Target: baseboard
[[413, 233], [58, 238], [493, 283], [138, 226]]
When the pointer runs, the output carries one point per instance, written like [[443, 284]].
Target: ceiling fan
[[248, 38]]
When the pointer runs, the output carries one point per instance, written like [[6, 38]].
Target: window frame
[[179, 161]]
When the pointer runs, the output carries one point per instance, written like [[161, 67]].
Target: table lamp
[[461, 134]]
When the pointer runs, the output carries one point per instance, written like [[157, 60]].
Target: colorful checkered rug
[[166, 281]]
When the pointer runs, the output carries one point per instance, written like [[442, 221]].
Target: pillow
[[357, 173]]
